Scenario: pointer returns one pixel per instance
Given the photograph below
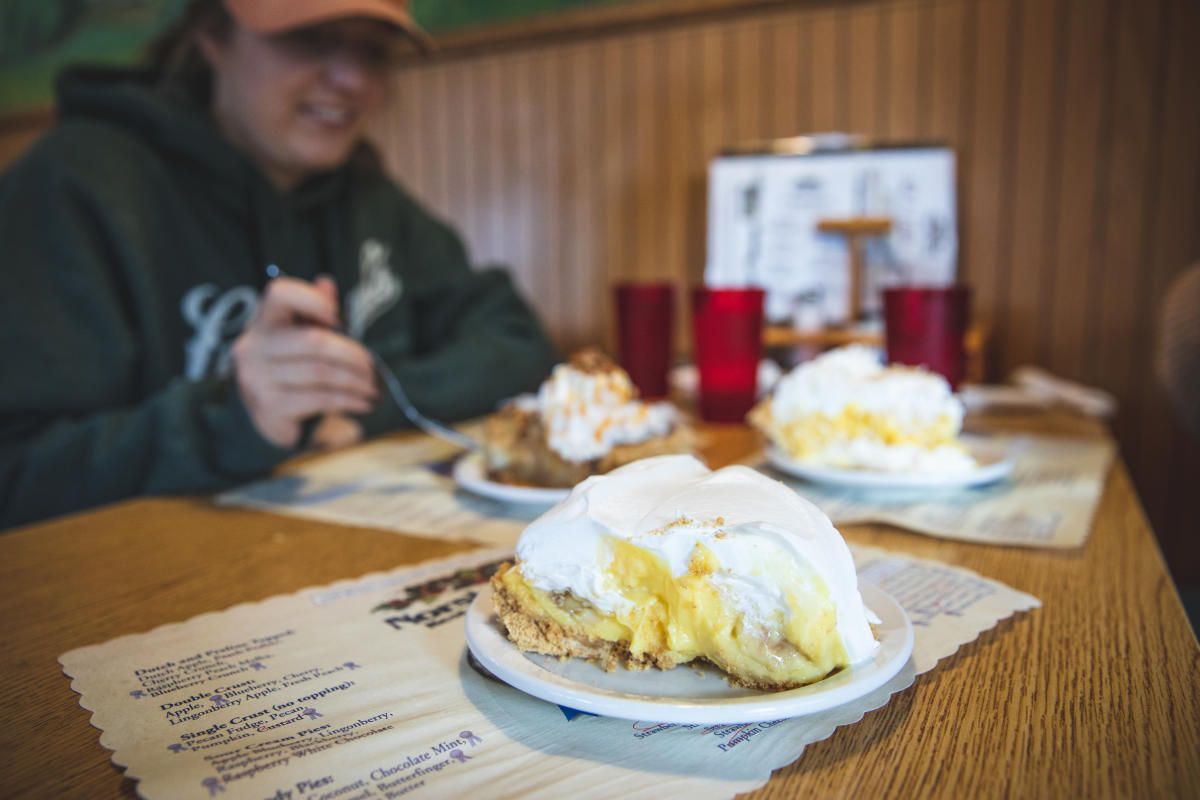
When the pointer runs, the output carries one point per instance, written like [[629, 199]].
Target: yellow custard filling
[[673, 620], [809, 435]]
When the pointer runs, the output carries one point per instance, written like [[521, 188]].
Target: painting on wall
[[442, 16], [467, 24], [39, 37]]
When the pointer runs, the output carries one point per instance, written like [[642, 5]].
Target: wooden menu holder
[[856, 230], [975, 342]]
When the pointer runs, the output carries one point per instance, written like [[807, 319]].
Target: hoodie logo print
[[378, 288], [216, 323]]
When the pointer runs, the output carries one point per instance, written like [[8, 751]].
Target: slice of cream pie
[[585, 420], [663, 562], [845, 409]]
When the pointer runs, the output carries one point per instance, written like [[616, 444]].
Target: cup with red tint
[[727, 345], [925, 327], [645, 324]]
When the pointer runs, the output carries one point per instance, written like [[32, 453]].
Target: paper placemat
[[1048, 500], [401, 486], [362, 690]]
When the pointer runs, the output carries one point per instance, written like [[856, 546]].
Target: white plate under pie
[[686, 694], [471, 474], [995, 463]]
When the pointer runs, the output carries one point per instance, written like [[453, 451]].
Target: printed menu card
[[364, 689]]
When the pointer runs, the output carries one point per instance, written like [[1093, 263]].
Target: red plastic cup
[[925, 327], [727, 345], [645, 323]]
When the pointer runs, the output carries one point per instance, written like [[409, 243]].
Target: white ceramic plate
[[687, 695], [470, 474], [995, 462]]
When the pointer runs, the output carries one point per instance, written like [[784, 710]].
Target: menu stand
[[856, 230]]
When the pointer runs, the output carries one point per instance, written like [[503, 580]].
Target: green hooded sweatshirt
[[134, 241]]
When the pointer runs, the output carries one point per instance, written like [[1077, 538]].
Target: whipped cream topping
[[762, 533], [853, 375], [586, 413]]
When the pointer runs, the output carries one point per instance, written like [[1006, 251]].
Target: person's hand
[[291, 364]]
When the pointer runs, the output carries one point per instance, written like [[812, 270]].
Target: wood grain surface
[[1092, 695]]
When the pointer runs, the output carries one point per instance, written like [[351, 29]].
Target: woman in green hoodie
[[147, 350]]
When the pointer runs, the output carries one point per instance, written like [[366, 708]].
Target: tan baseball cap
[[273, 16]]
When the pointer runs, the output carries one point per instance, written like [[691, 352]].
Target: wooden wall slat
[[1035, 78], [1055, 146], [926, 19], [1082, 144], [576, 191], [648, 167], [805, 102], [787, 55], [545, 134], [461, 124], [883, 93], [982, 206], [397, 133], [1110, 325], [611, 151], [948, 58], [677, 129], [862, 25], [508, 225], [710, 132], [1006, 202], [625, 245], [481, 141], [964, 151], [824, 81], [477, 135], [841, 50], [513, 105], [434, 110], [668, 170], [904, 90], [744, 66], [497, 166], [531, 143]]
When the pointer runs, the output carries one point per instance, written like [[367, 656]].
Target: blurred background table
[[1092, 695]]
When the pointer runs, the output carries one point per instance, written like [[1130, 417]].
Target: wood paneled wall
[[583, 160]]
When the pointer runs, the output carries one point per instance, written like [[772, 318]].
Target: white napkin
[[1035, 388]]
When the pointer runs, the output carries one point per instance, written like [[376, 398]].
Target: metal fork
[[427, 424], [430, 426]]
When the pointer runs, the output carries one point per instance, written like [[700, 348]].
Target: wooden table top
[[1096, 694]]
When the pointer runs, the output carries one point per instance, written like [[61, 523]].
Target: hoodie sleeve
[[82, 420], [472, 339]]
